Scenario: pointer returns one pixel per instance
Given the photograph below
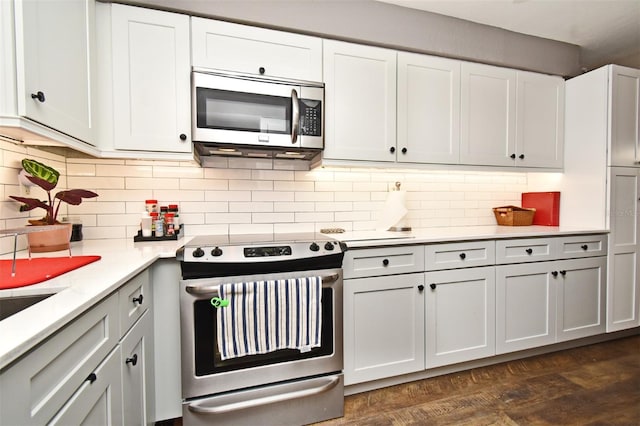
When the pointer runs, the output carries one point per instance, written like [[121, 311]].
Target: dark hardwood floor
[[592, 385]]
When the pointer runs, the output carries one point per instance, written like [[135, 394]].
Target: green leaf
[[42, 171]]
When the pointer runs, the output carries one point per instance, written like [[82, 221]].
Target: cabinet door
[[581, 294], [37, 386], [525, 306], [151, 80], [623, 288], [539, 120], [55, 57], [360, 97], [487, 119], [251, 50], [99, 399], [383, 327], [428, 109], [625, 116], [137, 372], [460, 315]]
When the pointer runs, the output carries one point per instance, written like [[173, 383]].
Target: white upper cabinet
[[428, 109], [539, 120], [250, 50], [511, 118], [360, 97], [151, 80], [488, 120], [625, 117], [55, 64]]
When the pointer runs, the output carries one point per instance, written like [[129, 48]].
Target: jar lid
[[154, 214], [169, 215], [151, 201], [173, 206]]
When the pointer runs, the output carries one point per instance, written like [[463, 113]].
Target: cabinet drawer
[[35, 387], [525, 250], [134, 299], [582, 246], [383, 261], [459, 255]]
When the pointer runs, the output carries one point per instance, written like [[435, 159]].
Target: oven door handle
[[214, 290], [202, 407]]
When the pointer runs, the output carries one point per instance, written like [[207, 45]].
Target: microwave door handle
[[295, 116]]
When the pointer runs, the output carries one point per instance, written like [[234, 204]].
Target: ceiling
[[608, 31]]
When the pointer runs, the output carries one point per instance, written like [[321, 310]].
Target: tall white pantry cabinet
[[601, 183]]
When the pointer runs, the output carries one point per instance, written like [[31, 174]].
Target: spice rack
[[138, 238]]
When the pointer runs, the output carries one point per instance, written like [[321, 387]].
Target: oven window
[[226, 110], [206, 345]]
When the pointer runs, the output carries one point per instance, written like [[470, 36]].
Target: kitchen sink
[[13, 305]]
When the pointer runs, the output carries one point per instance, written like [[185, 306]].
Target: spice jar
[[173, 208], [170, 225], [151, 205], [154, 219]]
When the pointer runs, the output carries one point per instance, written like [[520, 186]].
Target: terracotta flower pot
[[46, 241]]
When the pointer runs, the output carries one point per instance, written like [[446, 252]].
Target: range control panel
[[258, 253]]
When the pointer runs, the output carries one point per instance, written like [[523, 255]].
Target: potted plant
[[46, 177]]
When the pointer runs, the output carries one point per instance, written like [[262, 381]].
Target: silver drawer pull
[[271, 399]]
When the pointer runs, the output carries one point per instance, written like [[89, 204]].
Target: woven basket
[[514, 216]]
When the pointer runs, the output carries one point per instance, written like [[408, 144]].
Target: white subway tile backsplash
[[250, 207], [279, 217], [293, 207], [256, 195], [250, 185]]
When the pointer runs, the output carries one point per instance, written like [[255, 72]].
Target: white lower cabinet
[[99, 399], [542, 303], [623, 293], [526, 306], [383, 327], [137, 372], [80, 374], [460, 315], [581, 292]]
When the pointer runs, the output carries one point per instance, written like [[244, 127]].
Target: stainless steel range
[[261, 326]]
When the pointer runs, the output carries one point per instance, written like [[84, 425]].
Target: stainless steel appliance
[[238, 115], [286, 386]]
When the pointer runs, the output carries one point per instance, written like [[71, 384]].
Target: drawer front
[[134, 299], [383, 261], [582, 246], [459, 255], [525, 250], [35, 387]]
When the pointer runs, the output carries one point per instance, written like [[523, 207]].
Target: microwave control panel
[[310, 117]]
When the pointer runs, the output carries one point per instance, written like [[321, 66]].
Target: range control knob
[[314, 247], [328, 246], [216, 252], [198, 252]]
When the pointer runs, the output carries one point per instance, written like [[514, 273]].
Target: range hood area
[[206, 152]]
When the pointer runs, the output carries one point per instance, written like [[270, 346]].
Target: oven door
[[205, 373], [239, 110]]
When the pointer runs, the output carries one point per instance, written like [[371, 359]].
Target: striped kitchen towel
[[265, 316]]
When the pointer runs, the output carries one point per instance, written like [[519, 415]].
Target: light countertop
[[361, 239], [76, 291]]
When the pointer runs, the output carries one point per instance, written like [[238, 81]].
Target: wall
[[372, 22], [243, 200]]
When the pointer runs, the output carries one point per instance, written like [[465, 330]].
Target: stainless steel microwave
[[248, 115]]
